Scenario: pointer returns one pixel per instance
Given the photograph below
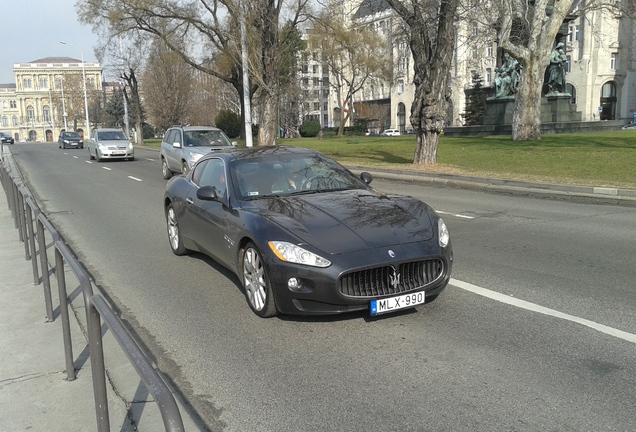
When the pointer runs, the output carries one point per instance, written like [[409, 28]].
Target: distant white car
[[391, 132], [110, 144]]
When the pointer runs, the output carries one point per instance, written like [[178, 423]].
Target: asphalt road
[[484, 357]]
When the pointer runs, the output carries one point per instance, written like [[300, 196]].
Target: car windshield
[[111, 136], [206, 138], [71, 135], [272, 175]]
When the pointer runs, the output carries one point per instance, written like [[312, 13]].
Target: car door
[[172, 157], [207, 220]]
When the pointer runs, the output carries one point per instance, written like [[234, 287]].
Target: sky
[[33, 30]]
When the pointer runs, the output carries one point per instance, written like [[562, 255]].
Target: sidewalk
[[34, 391]]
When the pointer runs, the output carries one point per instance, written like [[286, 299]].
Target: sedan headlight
[[289, 252], [130, 146], [444, 235]]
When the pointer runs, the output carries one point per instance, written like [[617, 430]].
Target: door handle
[[189, 201]]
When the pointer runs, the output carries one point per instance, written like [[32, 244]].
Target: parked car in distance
[[6, 138], [70, 140], [391, 132], [305, 235], [182, 146], [110, 144]]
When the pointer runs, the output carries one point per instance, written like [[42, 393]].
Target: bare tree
[[200, 30], [431, 25], [167, 87], [353, 56]]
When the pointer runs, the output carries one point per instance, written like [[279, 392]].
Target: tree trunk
[[526, 120], [268, 125]]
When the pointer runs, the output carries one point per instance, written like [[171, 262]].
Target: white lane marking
[[88, 162], [630, 337], [135, 178], [106, 168], [150, 159], [75, 157], [456, 215]]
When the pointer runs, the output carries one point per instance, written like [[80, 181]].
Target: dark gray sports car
[[305, 235]]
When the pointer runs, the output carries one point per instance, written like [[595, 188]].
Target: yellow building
[[48, 97]]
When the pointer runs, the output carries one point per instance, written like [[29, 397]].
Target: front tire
[[174, 234], [185, 169], [97, 157], [90, 155], [258, 290], [167, 174]]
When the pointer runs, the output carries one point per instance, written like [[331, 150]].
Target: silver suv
[[182, 146]]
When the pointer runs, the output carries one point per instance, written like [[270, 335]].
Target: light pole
[[88, 125]]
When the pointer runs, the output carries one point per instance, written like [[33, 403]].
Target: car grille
[[391, 279]]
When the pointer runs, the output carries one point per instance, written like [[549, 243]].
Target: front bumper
[[320, 293], [116, 153]]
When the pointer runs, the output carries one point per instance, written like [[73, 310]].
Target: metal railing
[[25, 213]]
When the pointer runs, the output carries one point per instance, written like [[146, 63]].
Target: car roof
[[187, 128], [109, 130]]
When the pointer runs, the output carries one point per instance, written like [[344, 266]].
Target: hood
[[114, 143], [203, 150], [350, 220]]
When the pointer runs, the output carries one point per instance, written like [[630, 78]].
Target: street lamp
[[88, 125]]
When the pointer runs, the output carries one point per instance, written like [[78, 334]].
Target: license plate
[[119, 153], [392, 304]]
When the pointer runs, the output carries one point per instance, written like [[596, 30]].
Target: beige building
[[600, 73], [48, 97]]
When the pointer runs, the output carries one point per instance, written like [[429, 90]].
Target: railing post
[[14, 206], [44, 267], [98, 368], [31, 236], [66, 327]]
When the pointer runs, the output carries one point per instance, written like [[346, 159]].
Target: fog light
[[293, 284]]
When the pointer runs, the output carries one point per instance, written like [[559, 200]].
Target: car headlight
[[130, 146], [289, 252], [195, 157], [444, 235]]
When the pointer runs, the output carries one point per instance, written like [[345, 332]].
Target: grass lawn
[[597, 159]]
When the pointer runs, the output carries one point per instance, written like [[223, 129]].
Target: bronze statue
[[556, 79], [507, 77]]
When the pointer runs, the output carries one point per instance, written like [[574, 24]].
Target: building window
[[316, 106], [30, 113], [401, 86], [489, 51], [314, 69], [474, 30], [488, 76], [317, 82], [44, 84], [305, 82], [26, 83], [613, 62], [577, 32], [58, 83], [5, 121], [13, 104], [46, 114], [568, 64], [14, 120]]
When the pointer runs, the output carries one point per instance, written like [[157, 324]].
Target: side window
[[198, 172], [214, 175]]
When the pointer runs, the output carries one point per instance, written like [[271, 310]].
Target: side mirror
[[234, 143], [176, 144], [207, 193], [366, 177]]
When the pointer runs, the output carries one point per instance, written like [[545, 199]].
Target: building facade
[[600, 72], [48, 97]]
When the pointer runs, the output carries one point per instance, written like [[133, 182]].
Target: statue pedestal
[[499, 110], [555, 108], [561, 110]]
